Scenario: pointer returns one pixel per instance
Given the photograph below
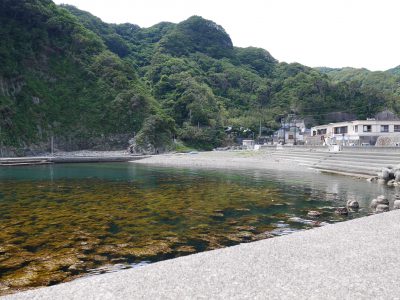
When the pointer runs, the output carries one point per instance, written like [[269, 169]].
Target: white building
[[359, 132]]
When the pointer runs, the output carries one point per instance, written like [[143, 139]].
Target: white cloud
[[335, 33]]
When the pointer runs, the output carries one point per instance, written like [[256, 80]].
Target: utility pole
[[1, 144], [52, 145], [284, 131], [295, 127], [259, 133]]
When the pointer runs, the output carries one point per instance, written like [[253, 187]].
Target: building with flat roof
[[358, 132]]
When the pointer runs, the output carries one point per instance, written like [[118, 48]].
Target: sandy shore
[[91, 153], [224, 160]]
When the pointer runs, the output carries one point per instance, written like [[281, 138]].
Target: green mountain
[[386, 82], [66, 74]]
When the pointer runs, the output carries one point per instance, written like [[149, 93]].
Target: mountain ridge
[[68, 74]]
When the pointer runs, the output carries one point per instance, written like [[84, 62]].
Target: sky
[[332, 33]]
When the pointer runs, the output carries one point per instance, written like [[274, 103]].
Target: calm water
[[58, 222]]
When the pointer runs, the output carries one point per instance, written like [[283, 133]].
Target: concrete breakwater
[[361, 164], [23, 161]]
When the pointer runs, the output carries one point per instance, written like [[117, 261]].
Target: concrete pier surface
[[357, 259]]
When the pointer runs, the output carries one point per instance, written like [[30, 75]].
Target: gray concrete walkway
[[358, 259]]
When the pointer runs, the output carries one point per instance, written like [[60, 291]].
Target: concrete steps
[[349, 163]]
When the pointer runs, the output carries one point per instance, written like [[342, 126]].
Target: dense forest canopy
[[65, 73]]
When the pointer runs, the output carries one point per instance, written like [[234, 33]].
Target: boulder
[[396, 204], [382, 200], [353, 204], [391, 182], [381, 208], [385, 174], [374, 203], [372, 179]]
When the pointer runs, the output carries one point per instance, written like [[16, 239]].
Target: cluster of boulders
[[381, 203], [390, 176], [378, 205], [351, 205]]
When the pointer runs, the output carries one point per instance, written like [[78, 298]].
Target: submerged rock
[[240, 236], [186, 249], [262, 236], [342, 211], [246, 228], [77, 267], [314, 213], [217, 215]]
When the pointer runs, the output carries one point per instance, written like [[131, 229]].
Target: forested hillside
[[67, 74]]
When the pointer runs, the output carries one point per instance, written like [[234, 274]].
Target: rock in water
[[385, 174], [382, 200], [382, 208], [374, 203], [314, 213], [391, 182], [396, 204], [397, 176], [353, 204], [342, 211]]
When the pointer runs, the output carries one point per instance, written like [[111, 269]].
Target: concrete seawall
[[21, 161], [357, 259]]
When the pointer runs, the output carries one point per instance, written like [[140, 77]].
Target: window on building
[[367, 128], [396, 128], [340, 130], [356, 128], [384, 128]]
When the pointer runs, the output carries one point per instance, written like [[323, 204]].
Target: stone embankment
[[361, 164]]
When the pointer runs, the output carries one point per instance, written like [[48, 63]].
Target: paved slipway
[[358, 259]]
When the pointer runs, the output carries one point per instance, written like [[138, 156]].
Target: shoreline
[[238, 160]]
